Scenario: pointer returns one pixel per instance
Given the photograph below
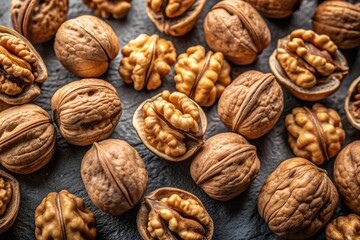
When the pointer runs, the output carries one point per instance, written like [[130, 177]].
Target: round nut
[[86, 45], [252, 104], [344, 227], [352, 103], [297, 199], [275, 8], [106, 8], [86, 111], [114, 176], [225, 166]]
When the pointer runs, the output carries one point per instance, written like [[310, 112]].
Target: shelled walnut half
[[344, 227], [171, 125], [275, 8], [106, 8], [352, 104], [171, 213], [308, 65]]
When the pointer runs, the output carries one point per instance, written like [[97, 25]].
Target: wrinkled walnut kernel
[[5, 195], [106, 8], [344, 227]]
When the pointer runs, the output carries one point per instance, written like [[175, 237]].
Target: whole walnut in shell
[[64, 216], [275, 8], [114, 176], [315, 134], [346, 175], [237, 30], [352, 103], [251, 104], [225, 166], [297, 199], [146, 61], [340, 20], [38, 20], [202, 76], [86, 45], [106, 8], [86, 111], [344, 227]]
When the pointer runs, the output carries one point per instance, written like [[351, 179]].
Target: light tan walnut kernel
[[5, 195], [344, 227], [109, 8]]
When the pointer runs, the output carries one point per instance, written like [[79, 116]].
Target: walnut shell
[[344, 227], [346, 175], [22, 70], [297, 199], [315, 134], [86, 45], [27, 138], [340, 20], [64, 216], [106, 8], [86, 111], [237, 30], [275, 8], [38, 20], [114, 176], [172, 213], [202, 76], [174, 17], [252, 104], [225, 166], [352, 104]]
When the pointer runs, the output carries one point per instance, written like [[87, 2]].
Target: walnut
[[114, 176], [275, 8], [237, 30], [315, 134], [174, 17], [225, 166], [346, 175], [297, 199], [22, 70], [106, 8], [251, 104], [37, 20], [202, 76], [64, 216], [344, 227], [171, 213], [27, 138], [171, 125], [86, 111], [308, 65], [340, 20], [146, 61], [86, 45], [352, 104]]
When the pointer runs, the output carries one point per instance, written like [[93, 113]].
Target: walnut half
[[106, 8], [352, 103]]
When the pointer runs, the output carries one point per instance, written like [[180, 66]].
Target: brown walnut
[[22, 70], [202, 76], [86, 45], [347, 175], [352, 103], [27, 138], [340, 20], [315, 134], [344, 227], [237, 30], [9, 200], [172, 213], [146, 61], [86, 111], [297, 199], [252, 104], [225, 166], [38, 20], [308, 65], [114, 176], [174, 17], [106, 8], [64, 216], [275, 8]]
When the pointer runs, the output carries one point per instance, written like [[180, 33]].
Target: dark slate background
[[235, 219]]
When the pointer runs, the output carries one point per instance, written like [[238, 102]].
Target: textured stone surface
[[235, 219]]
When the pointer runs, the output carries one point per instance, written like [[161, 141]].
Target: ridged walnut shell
[[352, 104], [340, 20], [38, 20], [109, 8], [64, 216], [11, 209], [22, 70], [252, 104], [86, 111], [225, 166], [114, 176], [237, 30], [275, 8], [172, 213], [347, 175], [86, 45], [344, 227], [297, 199], [27, 138]]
